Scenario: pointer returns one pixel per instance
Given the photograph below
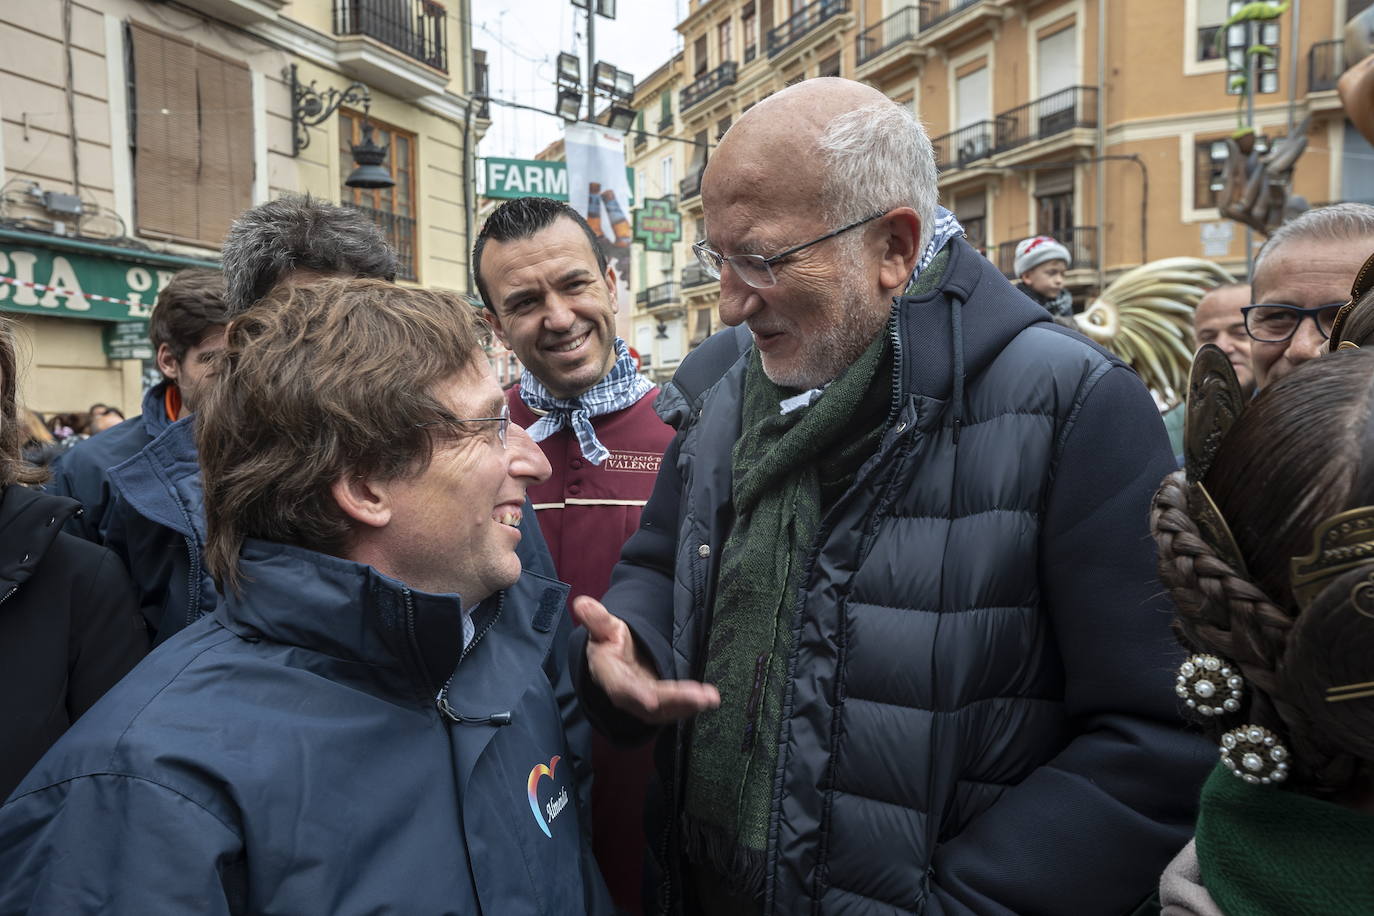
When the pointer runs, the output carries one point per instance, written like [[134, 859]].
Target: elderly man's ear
[[898, 240]]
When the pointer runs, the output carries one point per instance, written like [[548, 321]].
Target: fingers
[[681, 699], [601, 624]]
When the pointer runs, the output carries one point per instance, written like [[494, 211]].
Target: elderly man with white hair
[[892, 608]]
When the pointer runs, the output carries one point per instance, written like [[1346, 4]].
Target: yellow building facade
[[134, 132], [1101, 122]]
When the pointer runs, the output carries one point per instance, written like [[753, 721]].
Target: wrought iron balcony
[[935, 11], [1046, 116], [1080, 240], [1325, 64], [660, 294], [695, 275], [750, 53], [400, 232], [413, 27], [957, 149], [707, 85], [691, 185], [802, 23], [901, 26]]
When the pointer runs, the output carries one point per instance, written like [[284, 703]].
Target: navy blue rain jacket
[[321, 743], [82, 471]]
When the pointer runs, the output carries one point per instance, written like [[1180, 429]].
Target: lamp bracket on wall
[[310, 106]]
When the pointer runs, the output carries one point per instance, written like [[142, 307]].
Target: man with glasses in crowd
[[1302, 278], [892, 608], [550, 295]]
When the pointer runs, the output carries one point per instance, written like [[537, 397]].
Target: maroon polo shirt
[[586, 512]]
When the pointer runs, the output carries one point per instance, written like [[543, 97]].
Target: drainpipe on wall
[[1101, 169]]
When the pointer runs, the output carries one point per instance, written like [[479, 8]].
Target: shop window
[[192, 138], [392, 209]]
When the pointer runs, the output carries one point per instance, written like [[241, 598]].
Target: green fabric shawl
[[788, 468], [1270, 851]]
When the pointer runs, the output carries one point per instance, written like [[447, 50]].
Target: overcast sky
[[523, 37]]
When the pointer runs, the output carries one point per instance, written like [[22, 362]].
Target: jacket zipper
[[5, 597], [193, 609], [441, 701]]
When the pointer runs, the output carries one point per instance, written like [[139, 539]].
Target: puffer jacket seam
[[957, 709], [991, 510]]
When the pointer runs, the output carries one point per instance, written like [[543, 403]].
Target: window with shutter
[[193, 138]]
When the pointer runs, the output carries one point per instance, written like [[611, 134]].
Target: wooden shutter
[[167, 135], [225, 181]]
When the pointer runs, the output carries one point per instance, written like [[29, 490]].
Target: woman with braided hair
[[1266, 545]]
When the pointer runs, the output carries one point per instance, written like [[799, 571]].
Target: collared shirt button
[[574, 489], [704, 551], [575, 463]]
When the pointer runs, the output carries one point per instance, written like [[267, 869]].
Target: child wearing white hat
[[1041, 264]]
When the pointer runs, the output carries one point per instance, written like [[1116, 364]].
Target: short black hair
[[188, 308], [298, 232], [520, 219]]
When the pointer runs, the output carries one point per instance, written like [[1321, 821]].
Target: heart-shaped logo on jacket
[[556, 805]]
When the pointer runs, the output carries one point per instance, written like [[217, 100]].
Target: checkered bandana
[[946, 228], [621, 387]]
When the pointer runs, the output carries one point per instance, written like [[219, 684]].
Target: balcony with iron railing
[[415, 28], [707, 85], [802, 23], [1080, 240], [1047, 116], [695, 275], [934, 12], [400, 232], [902, 26], [1325, 64], [690, 186], [658, 295], [958, 149]]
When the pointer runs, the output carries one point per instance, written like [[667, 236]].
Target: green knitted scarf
[[1265, 850], [788, 468]]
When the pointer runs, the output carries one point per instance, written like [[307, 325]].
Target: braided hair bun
[[1291, 462]]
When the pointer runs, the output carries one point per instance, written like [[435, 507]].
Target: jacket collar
[[162, 481], [29, 522], [351, 611], [991, 314], [155, 418]]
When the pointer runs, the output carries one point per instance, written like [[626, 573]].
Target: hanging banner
[[508, 178], [599, 189]]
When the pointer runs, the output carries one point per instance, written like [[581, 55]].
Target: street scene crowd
[[897, 598]]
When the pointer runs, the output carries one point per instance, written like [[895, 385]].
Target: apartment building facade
[[1101, 122], [134, 131]]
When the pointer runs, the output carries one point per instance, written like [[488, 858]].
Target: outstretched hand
[[632, 685]]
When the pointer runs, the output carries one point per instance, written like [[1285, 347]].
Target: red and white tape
[[13, 281]]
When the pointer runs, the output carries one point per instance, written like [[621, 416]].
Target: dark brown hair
[[13, 468], [315, 382], [188, 307], [1290, 463]]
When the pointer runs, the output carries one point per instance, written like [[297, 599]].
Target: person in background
[[1266, 552], [69, 623], [550, 295], [362, 725], [1041, 265], [104, 417], [186, 330], [1218, 319], [1302, 278], [38, 444]]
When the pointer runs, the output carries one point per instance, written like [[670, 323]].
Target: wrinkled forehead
[[760, 195]]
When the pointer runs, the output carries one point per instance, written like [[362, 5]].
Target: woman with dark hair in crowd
[[1266, 544], [69, 621]]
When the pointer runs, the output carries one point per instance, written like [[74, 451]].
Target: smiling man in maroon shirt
[[550, 295]]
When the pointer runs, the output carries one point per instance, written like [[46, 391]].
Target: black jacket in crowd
[[69, 626], [980, 716]]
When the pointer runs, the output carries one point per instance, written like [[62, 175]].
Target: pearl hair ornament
[[1209, 686], [1255, 755]]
